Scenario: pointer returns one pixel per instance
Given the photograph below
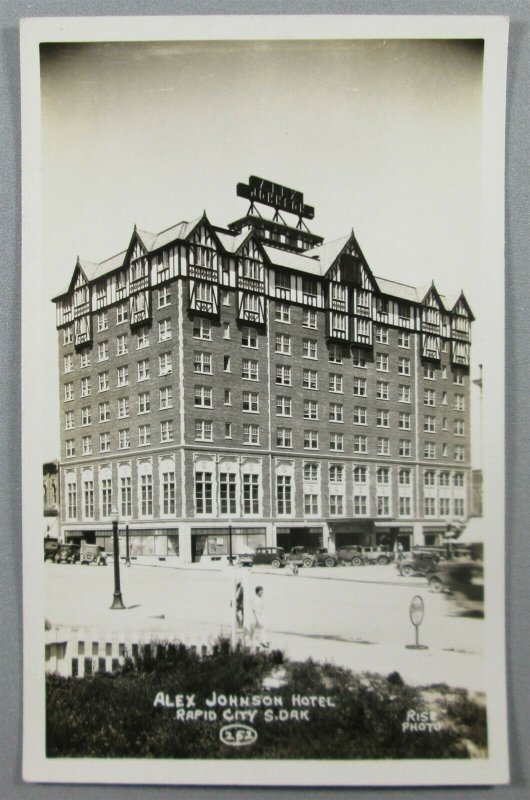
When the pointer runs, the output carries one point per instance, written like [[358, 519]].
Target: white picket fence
[[78, 652]]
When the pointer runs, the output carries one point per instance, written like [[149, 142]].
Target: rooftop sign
[[278, 197]]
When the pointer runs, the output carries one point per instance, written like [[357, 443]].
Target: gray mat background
[[517, 383]]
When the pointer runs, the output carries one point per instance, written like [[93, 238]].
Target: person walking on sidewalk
[[257, 626]]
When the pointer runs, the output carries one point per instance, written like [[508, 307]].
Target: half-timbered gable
[[82, 316], [461, 318], [251, 284], [203, 270], [431, 324], [139, 282]]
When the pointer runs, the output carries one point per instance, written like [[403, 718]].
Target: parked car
[[376, 555], [350, 554], [245, 559], [463, 581], [301, 557], [51, 547], [324, 558], [419, 563], [93, 554], [273, 556], [67, 554]]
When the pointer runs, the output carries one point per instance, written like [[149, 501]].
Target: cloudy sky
[[381, 136]]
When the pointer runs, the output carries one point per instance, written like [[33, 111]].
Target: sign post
[[417, 613]]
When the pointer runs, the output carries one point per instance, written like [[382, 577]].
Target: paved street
[[356, 617]]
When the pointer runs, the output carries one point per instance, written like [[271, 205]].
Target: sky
[[381, 136]]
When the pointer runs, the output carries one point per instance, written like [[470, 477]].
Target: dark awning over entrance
[[350, 525]]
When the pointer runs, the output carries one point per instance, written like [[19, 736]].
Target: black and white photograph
[[263, 400]]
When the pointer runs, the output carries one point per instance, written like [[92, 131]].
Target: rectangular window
[[166, 397], [164, 364], [106, 497], [383, 505], [228, 397], [203, 430], [429, 506], [459, 427], [203, 396], [429, 424], [309, 318], [284, 437], [403, 366], [146, 495], [144, 402], [164, 330], [360, 475], [383, 446], [283, 344], [88, 499], [86, 416], [381, 335], [383, 476], [404, 394], [336, 412], [404, 477], [225, 298], [249, 370], [283, 406], [102, 321], [202, 362], [381, 390], [358, 358], [360, 506], [84, 359], [164, 297], [459, 402], [103, 351], [122, 313], [309, 348], [335, 383], [249, 337], [104, 442], [283, 494], [381, 362], [311, 504], [126, 496], [382, 418], [69, 420], [429, 450], [429, 397], [405, 506], [282, 312], [359, 387], [360, 444], [226, 330], [227, 493], [404, 421], [250, 434], [460, 453], [68, 363], [250, 494], [202, 328], [85, 387], [429, 478], [168, 493], [143, 370], [142, 338], [359, 415], [251, 402], [228, 430], [166, 430], [71, 501], [310, 472], [403, 339], [144, 435], [336, 353], [310, 379], [445, 506], [123, 376], [429, 373], [68, 335], [310, 409], [458, 377], [121, 345], [226, 364], [103, 382], [336, 442], [104, 411], [124, 439], [405, 448], [69, 448], [459, 507], [87, 445], [311, 440]]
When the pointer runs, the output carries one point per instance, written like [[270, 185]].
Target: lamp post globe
[[117, 601]]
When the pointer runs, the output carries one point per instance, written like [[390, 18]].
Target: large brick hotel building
[[256, 385]]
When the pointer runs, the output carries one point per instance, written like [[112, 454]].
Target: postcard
[[263, 360]]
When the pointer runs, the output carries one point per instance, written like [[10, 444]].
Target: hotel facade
[[228, 388]]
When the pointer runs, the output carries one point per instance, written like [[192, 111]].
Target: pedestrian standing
[[257, 626]]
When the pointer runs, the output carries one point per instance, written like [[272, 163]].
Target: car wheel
[[435, 584], [356, 561], [275, 563], [330, 562], [407, 570], [307, 562], [382, 560]]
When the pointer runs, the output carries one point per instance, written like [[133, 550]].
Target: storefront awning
[[350, 525]]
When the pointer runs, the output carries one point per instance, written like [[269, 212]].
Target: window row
[[124, 439]]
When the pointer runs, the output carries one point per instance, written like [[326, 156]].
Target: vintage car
[[93, 554], [67, 554], [419, 563], [324, 558], [245, 559], [350, 554], [272, 556], [463, 581], [375, 555], [51, 546], [301, 557]]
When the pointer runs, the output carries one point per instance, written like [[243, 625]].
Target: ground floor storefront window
[[155, 543], [214, 543], [309, 537]]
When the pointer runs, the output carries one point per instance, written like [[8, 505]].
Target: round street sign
[[417, 610]]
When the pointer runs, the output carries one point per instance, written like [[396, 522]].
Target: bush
[[113, 715]]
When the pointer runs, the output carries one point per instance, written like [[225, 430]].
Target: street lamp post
[[230, 543], [127, 555], [117, 602]]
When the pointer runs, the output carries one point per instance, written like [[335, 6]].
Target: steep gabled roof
[[297, 261], [400, 290], [328, 252]]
